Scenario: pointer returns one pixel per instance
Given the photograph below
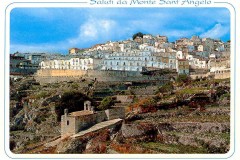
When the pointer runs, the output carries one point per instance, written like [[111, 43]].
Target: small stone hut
[[74, 122]]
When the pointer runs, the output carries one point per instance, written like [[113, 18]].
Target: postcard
[[120, 79]]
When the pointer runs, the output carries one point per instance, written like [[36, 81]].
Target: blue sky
[[55, 30]]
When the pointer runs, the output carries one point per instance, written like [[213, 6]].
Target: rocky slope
[[171, 125]]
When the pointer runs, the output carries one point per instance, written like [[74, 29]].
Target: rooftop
[[81, 113]]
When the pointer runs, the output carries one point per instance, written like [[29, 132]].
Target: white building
[[73, 63], [197, 62], [138, 60]]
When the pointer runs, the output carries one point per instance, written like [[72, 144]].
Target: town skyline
[[54, 32]]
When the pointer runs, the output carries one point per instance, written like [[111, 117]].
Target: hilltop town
[[144, 53], [144, 95]]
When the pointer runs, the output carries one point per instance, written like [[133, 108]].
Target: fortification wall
[[50, 76], [222, 75], [196, 76], [60, 73]]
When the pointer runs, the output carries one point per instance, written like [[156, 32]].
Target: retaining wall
[[54, 75]]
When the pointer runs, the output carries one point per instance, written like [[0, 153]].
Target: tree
[[183, 78], [139, 34], [106, 103], [168, 87], [73, 101]]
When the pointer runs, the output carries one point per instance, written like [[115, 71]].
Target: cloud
[[180, 33], [85, 27], [217, 31], [94, 29]]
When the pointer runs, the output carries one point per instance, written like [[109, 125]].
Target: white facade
[[137, 60], [73, 63], [196, 63]]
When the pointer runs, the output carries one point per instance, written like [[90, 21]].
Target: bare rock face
[[140, 132], [76, 145], [17, 122], [98, 144]]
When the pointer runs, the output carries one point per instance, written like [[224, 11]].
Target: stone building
[[20, 65], [72, 123], [183, 66]]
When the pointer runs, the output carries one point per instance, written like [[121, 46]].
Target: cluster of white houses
[[138, 60], [147, 52], [72, 63]]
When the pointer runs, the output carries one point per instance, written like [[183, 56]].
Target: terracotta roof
[[81, 113], [182, 59]]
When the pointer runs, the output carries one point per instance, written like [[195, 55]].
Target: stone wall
[[67, 125], [196, 76], [44, 79], [73, 124], [84, 122], [215, 75], [125, 98], [101, 116], [60, 73], [222, 75], [113, 76], [148, 90], [116, 112]]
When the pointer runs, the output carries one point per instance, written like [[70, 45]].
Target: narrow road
[[97, 126]]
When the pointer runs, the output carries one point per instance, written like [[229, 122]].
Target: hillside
[[182, 117]]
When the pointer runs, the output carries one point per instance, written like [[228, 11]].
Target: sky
[[55, 30]]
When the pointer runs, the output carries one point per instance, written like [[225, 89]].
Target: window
[[67, 122]]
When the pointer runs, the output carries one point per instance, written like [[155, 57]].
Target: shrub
[[72, 100], [145, 105], [183, 78], [106, 103], [166, 88], [42, 94]]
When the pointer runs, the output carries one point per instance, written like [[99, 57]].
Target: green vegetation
[[139, 34], [191, 90], [72, 100], [168, 87], [145, 105], [183, 78], [226, 95], [75, 85], [198, 117], [41, 118], [222, 90], [173, 148], [42, 94], [106, 103]]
